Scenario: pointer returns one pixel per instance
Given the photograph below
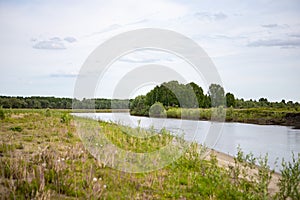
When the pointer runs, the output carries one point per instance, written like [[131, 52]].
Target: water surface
[[277, 141]]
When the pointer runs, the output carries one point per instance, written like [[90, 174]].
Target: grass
[[250, 115], [47, 160]]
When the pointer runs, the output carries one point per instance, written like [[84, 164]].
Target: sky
[[253, 44]]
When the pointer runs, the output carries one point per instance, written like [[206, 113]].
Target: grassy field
[[43, 157]]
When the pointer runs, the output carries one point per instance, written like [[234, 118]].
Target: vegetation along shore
[[42, 157], [175, 100]]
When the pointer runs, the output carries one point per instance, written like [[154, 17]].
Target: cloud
[[70, 39], [49, 44], [133, 60], [210, 16], [55, 43], [269, 25], [64, 75], [287, 43], [295, 35], [55, 39], [275, 26]]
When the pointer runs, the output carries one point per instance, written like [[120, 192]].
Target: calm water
[[277, 141]]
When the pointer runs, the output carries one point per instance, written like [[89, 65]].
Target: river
[[277, 141]]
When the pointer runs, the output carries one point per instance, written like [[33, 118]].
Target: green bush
[[16, 128], [289, 183], [48, 112], [2, 114], [157, 110], [65, 118]]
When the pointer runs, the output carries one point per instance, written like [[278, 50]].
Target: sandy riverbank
[[226, 160]]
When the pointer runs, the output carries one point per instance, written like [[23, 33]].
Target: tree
[[138, 106], [157, 110], [216, 94], [230, 100], [199, 94], [263, 102]]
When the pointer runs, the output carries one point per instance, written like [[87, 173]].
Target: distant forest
[[61, 103], [170, 94]]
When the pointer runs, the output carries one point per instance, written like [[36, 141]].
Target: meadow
[[43, 157]]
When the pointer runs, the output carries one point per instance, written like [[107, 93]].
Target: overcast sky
[[253, 44]]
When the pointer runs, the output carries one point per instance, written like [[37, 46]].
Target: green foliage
[[138, 106], [61, 103], [56, 165], [199, 94], [16, 128], [157, 110], [230, 100], [289, 182], [216, 94], [48, 112], [2, 113], [65, 118]]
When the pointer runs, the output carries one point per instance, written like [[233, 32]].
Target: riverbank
[[262, 116], [225, 160], [41, 156]]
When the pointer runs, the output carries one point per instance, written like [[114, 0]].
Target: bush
[[48, 112], [65, 118], [157, 110], [16, 128], [289, 183], [2, 114]]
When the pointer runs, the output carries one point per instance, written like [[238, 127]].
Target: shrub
[[48, 112], [16, 128], [157, 110], [2, 114], [65, 118], [289, 183]]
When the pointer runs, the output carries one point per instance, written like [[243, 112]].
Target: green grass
[[276, 116], [54, 164]]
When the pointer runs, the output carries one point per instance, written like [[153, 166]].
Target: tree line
[[62, 103], [170, 94], [191, 95]]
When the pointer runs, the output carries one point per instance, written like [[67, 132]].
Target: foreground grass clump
[[47, 160]]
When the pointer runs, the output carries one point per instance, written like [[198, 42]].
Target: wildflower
[[44, 165], [104, 186], [100, 179], [62, 159], [94, 179]]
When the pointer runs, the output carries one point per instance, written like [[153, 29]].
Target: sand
[[225, 160]]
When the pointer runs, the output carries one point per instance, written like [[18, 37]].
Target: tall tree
[[216, 93], [199, 94], [230, 100]]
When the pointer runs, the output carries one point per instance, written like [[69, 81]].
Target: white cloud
[[211, 16], [275, 43], [54, 43], [275, 26], [70, 39], [50, 44]]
